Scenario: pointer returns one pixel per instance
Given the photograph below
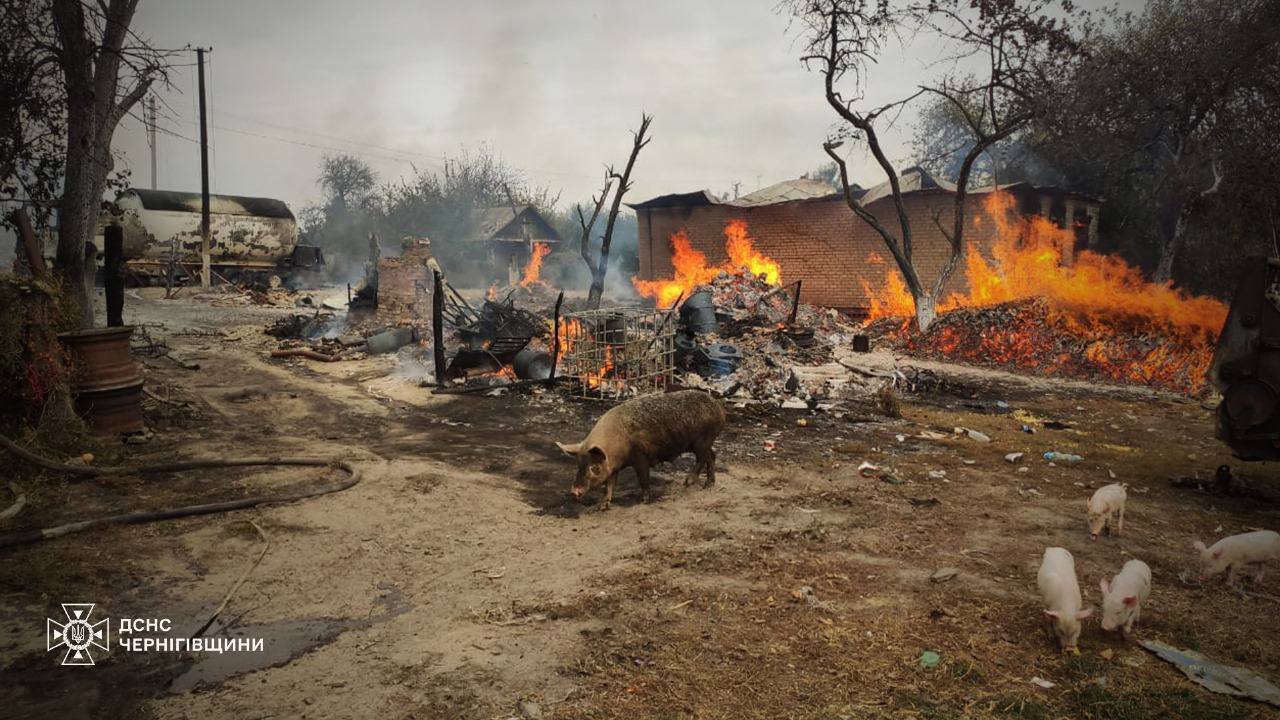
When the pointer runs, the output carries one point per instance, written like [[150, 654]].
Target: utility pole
[[736, 185], [204, 179], [151, 134]]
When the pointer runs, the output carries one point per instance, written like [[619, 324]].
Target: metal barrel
[[108, 387], [102, 358]]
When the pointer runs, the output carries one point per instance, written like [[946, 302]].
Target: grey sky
[[554, 85]]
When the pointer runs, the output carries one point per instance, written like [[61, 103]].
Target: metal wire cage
[[618, 352]]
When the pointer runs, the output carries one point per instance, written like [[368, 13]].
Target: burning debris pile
[[745, 335], [1034, 303], [1031, 335]]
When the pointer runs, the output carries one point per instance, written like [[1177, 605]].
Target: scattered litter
[[1106, 654], [770, 446], [867, 470], [937, 474], [802, 422], [929, 659], [924, 502], [932, 435], [973, 434], [1042, 683], [1013, 457], [944, 574], [1028, 430], [1222, 679], [1064, 458]]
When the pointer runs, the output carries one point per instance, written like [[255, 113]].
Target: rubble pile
[[322, 336], [535, 294], [1032, 336], [745, 338]]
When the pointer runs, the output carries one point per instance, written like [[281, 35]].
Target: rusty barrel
[[108, 382]]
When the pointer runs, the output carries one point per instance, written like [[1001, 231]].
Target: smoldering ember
[[820, 359]]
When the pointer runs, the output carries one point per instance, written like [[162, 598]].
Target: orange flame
[[692, 270], [492, 292], [534, 268], [1094, 297]]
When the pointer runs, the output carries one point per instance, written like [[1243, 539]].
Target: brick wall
[[819, 241]]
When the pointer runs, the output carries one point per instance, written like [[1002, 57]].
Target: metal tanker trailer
[[249, 238]]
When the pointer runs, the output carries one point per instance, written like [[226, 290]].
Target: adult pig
[[1061, 593], [1122, 598], [1248, 551], [644, 431]]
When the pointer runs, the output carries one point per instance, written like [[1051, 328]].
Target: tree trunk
[[90, 67], [926, 311], [1172, 242]]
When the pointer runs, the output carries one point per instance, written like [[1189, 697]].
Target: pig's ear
[[1084, 613], [1198, 546], [1053, 614], [1131, 600], [597, 455], [1218, 553], [1106, 590], [570, 449]]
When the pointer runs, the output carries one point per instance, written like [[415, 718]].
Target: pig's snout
[[1093, 536], [577, 493]]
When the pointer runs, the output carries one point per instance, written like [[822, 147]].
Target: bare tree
[[843, 36], [95, 50], [599, 265]]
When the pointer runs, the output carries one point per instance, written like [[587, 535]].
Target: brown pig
[[644, 431]]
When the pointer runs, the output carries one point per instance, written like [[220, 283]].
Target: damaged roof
[[786, 191], [913, 180], [177, 201], [509, 223]]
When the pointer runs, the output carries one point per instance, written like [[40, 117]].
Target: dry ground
[[457, 580]]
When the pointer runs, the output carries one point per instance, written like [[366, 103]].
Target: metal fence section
[[618, 352]]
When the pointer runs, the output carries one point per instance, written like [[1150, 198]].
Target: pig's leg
[[1231, 574], [1259, 569], [710, 462], [608, 491], [699, 463], [1120, 522], [642, 474]]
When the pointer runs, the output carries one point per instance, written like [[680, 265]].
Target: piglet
[[644, 431], [1061, 593], [1106, 509], [1122, 598], [1248, 551]]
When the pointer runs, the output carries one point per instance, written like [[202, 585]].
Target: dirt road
[[459, 580]]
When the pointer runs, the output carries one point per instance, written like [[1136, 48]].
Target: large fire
[[1125, 327], [692, 270], [533, 270]]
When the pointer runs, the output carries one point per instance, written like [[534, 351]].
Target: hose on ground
[[24, 537]]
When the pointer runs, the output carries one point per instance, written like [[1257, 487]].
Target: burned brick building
[[813, 235]]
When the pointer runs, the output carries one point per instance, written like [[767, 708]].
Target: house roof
[[913, 180], [786, 191], [508, 223], [177, 201]]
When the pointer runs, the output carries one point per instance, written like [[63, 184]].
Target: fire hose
[[33, 535]]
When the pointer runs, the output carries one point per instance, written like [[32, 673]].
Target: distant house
[[510, 234], [810, 231]]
